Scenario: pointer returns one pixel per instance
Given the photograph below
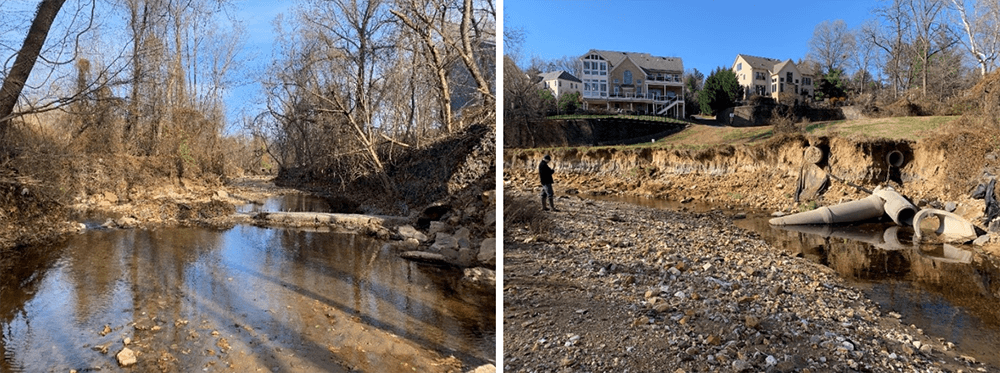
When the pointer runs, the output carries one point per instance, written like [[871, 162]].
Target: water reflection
[[298, 202], [947, 290], [247, 297]]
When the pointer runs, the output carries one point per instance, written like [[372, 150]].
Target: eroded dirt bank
[[765, 176]]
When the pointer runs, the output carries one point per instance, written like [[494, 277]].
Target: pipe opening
[[894, 158]]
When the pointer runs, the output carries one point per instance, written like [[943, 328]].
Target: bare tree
[[931, 34], [14, 82], [832, 45], [429, 20], [982, 30], [888, 34]]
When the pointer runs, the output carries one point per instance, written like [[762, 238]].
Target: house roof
[[773, 65], [759, 62], [645, 61], [561, 75]]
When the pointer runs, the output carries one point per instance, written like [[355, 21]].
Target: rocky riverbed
[[616, 287]]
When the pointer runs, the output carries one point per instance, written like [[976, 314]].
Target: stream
[[948, 291], [240, 299]]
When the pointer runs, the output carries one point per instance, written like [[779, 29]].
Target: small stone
[[661, 308], [950, 206], [127, 341], [770, 360], [982, 240], [713, 340], [487, 251], [752, 322], [408, 231], [907, 349], [126, 357], [917, 344], [926, 349], [107, 329]]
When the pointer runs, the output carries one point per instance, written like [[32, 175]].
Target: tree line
[[934, 49], [353, 80]]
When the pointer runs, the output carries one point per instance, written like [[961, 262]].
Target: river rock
[[488, 252], [490, 219], [423, 256], [466, 256], [408, 232], [111, 197], [126, 357], [444, 241], [436, 226], [462, 237]]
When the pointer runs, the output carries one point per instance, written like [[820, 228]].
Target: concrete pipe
[[847, 212], [895, 158], [812, 155], [951, 227], [900, 210]]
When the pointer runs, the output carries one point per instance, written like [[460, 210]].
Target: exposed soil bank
[[945, 168]]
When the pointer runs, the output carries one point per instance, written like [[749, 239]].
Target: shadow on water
[[242, 298], [949, 291]]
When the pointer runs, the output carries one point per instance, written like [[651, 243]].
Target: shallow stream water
[[948, 291], [240, 299]]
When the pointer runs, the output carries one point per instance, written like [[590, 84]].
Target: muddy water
[[948, 291], [243, 299]]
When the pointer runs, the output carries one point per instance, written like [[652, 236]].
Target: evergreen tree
[[832, 84], [569, 102], [720, 92]]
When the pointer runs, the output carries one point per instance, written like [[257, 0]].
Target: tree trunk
[[26, 56]]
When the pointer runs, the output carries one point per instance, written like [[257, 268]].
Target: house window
[[739, 66], [638, 81], [807, 81], [616, 81], [628, 77], [774, 87], [759, 76], [789, 76], [560, 83]]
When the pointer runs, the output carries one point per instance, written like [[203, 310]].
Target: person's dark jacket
[[545, 173]]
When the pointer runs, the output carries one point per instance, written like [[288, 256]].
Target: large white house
[[773, 78], [633, 82]]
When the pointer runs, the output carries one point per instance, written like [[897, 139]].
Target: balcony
[[644, 97], [669, 79]]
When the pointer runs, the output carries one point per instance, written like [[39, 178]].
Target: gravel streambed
[[614, 287]]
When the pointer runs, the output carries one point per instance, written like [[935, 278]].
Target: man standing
[[545, 175]]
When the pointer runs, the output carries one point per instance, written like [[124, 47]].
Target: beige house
[[560, 82], [633, 82], [781, 80]]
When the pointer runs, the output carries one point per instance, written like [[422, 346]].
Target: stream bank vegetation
[[122, 112]]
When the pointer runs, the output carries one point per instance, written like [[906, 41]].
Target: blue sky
[[705, 34]]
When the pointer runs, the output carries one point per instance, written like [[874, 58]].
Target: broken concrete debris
[[886, 201]]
